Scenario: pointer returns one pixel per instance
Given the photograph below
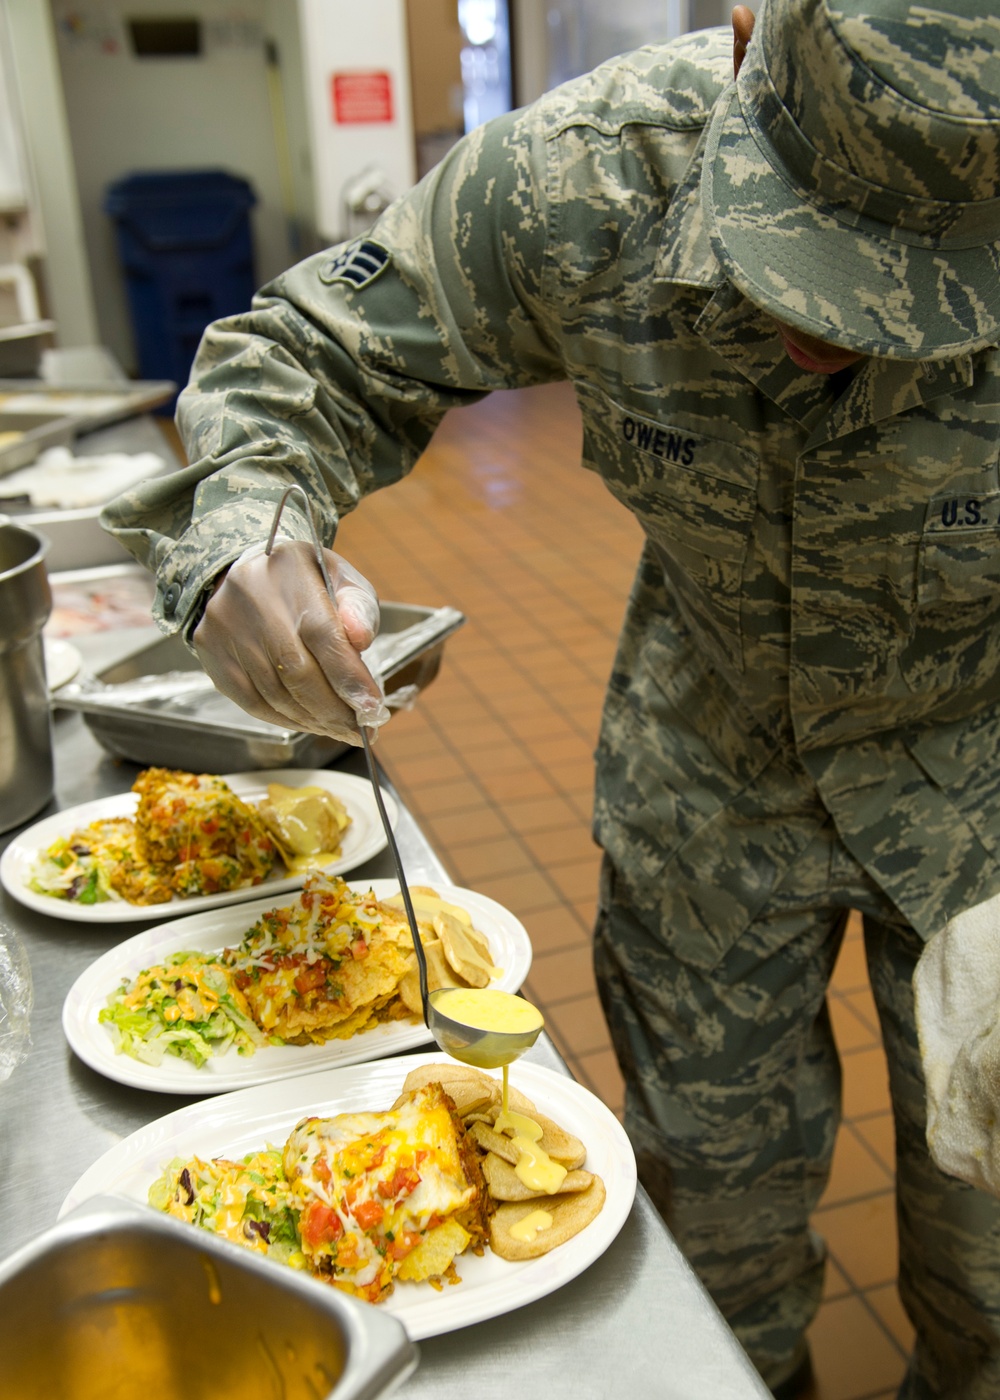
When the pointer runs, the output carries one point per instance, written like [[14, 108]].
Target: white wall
[[128, 114], [56, 229], [342, 38]]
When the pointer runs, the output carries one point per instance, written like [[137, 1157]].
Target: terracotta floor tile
[[502, 856], [850, 1031], [855, 1172], [599, 1071], [866, 1082], [576, 879], [534, 814], [861, 1238], [862, 1003], [835, 1282], [885, 1302], [521, 893], [558, 976], [433, 799], [512, 783], [852, 1355], [851, 971], [466, 828], [560, 845], [578, 1025], [557, 928], [879, 1133]]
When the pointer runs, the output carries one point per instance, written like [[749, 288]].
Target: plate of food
[[183, 842], [240, 996], [389, 1181]]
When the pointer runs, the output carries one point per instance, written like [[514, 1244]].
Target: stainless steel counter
[[636, 1322]]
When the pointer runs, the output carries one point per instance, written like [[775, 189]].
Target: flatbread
[[505, 1184], [570, 1214]]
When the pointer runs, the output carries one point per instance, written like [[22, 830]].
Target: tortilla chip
[[570, 1214], [467, 1088], [435, 1252], [505, 1184], [439, 974], [466, 951], [560, 1145]]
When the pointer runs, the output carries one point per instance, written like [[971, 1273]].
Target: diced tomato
[[309, 978], [359, 949], [369, 1214], [403, 1244], [320, 1224], [321, 1169], [210, 825], [402, 1184]]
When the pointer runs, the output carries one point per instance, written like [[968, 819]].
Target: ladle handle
[[418, 946]]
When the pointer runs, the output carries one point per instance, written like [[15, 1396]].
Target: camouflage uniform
[[805, 706]]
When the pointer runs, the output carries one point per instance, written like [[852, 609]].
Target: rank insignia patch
[[358, 264]]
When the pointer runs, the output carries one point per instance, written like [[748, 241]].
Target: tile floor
[[496, 762]]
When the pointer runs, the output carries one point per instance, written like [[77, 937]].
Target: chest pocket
[[955, 640], [695, 497]]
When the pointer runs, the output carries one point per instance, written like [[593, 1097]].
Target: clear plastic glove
[[956, 989], [274, 641]]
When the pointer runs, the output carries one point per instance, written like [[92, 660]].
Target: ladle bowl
[[485, 1049]]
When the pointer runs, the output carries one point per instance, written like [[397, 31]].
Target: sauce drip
[[532, 1225]]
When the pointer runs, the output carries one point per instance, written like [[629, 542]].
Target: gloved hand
[[273, 640], [957, 992]]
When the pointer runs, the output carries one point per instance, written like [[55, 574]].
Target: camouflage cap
[[852, 173]]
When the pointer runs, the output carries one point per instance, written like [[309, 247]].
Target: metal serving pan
[[35, 430], [118, 1300], [157, 706]]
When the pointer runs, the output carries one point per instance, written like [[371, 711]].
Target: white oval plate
[[510, 949], [243, 1122], [363, 839]]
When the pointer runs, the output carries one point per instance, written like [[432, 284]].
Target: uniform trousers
[[733, 1102]]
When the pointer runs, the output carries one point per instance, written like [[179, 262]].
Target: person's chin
[[811, 365]]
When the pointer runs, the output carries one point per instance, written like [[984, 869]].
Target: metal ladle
[[486, 1049]]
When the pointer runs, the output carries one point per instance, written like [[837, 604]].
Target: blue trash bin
[[184, 241]]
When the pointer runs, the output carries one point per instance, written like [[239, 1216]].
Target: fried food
[[323, 968], [306, 824], [568, 1215], [194, 826], [357, 1200], [191, 835], [505, 1184], [580, 1194], [333, 964], [364, 1199]]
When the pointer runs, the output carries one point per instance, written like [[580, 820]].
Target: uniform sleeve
[[344, 366]]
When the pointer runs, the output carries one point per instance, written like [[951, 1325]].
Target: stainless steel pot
[[118, 1301], [26, 778]]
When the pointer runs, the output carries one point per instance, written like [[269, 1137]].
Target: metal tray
[[37, 430], [157, 706], [52, 415], [117, 1299]]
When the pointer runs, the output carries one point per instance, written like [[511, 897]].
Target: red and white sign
[[361, 98]]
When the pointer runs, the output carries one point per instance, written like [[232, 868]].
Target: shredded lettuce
[[160, 1012]]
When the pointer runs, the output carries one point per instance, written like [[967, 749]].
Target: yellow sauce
[[536, 1168], [307, 821], [532, 1225], [487, 1009], [514, 1123]]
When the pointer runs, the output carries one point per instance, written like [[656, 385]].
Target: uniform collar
[[745, 336]]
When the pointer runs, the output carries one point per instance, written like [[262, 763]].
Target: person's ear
[[743, 21]]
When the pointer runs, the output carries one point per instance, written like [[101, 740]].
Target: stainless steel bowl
[[118, 1301]]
